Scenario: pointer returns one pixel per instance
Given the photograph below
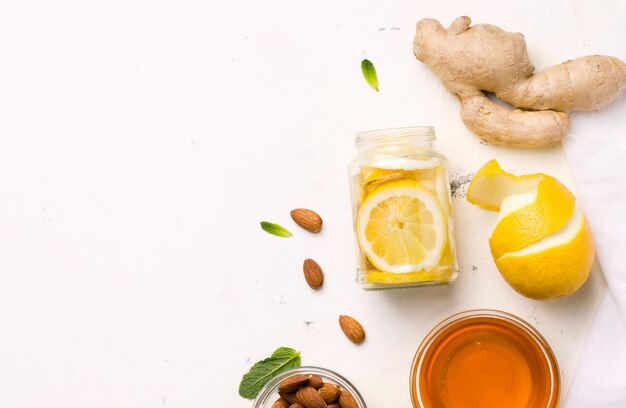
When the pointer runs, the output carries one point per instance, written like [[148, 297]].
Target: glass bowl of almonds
[[309, 387]]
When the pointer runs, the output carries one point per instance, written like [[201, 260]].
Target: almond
[[280, 403], [333, 406], [290, 397], [346, 400], [352, 329], [307, 219], [310, 398], [329, 392], [315, 381], [296, 405], [313, 273], [292, 383]]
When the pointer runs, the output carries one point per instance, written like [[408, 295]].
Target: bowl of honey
[[487, 359]]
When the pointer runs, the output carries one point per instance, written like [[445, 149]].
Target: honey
[[487, 360]]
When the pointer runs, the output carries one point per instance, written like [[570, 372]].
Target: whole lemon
[[541, 243]]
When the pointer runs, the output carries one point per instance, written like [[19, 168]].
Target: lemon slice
[[401, 228], [380, 175], [391, 278], [395, 163]]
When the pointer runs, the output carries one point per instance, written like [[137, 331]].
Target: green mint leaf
[[281, 360], [369, 73], [275, 229]]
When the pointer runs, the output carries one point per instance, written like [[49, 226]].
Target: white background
[[141, 142]]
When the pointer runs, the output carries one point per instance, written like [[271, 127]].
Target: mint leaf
[[369, 73], [281, 360], [275, 229]]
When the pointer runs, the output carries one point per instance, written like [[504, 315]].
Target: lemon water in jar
[[401, 209]]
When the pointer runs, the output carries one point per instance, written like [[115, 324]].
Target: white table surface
[[141, 142]]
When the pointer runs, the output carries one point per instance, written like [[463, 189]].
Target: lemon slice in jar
[[401, 228]]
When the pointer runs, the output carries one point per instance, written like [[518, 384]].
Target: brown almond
[[333, 406], [329, 392], [296, 405], [290, 397], [315, 381], [347, 400], [292, 383], [280, 403], [310, 398], [313, 273], [352, 329], [307, 219]]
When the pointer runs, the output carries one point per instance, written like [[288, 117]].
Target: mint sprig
[[281, 360], [369, 73], [275, 229]]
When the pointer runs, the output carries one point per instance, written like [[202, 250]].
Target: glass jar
[[481, 358], [402, 210], [269, 394]]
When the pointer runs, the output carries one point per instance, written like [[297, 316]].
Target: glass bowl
[[269, 394], [482, 358]]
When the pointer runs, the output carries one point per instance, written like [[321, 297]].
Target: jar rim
[[468, 315], [272, 385], [408, 134]]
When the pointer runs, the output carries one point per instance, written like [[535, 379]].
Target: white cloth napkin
[[596, 154]]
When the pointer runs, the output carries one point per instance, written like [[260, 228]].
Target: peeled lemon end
[[491, 185], [489, 168]]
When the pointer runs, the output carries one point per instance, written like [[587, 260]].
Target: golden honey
[[485, 359]]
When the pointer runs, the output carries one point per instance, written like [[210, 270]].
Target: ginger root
[[484, 58]]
